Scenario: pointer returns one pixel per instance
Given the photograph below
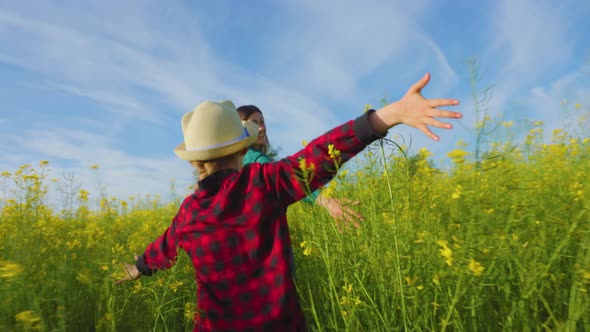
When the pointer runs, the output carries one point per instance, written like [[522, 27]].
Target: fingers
[[444, 114], [353, 213], [349, 217], [131, 273], [420, 84], [442, 102], [437, 123], [428, 132]]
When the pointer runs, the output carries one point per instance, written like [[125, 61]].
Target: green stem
[[395, 240]]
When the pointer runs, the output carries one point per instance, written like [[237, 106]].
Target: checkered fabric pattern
[[234, 228]]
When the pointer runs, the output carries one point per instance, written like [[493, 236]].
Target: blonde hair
[[208, 167]]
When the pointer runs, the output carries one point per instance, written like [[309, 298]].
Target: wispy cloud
[[73, 151], [532, 41], [138, 70], [138, 65], [337, 44]]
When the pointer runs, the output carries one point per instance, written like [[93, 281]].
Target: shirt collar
[[214, 181]]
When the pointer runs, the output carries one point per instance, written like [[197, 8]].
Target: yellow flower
[[95, 166], [305, 167], [578, 106], [175, 285], [357, 301], [436, 279], [411, 280], [446, 252], [333, 152], [189, 311], [458, 155], [508, 124], [461, 143], [347, 288], [307, 170], [83, 195], [137, 287], [307, 251], [27, 316], [475, 267], [10, 270], [73, 244], [458, 192], [424, 153], [304, 143]]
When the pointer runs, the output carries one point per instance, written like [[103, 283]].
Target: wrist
[[386, 117]]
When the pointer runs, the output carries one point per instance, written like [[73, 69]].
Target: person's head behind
[[214, 137], [254, 114]]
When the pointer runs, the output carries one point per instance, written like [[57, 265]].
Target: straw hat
[[214, 130]]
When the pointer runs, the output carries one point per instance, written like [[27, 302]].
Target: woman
[[258, 152]]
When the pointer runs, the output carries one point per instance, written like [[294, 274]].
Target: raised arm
[[287, 177]]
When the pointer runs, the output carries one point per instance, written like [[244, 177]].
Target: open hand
[[416, 111], [131, 272], [341, 211]]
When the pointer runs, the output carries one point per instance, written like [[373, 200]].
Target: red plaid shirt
[[234, 228]]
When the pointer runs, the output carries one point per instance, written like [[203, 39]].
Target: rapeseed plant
[[505, 244]]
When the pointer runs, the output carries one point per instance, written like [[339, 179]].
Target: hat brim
[[214, 153]]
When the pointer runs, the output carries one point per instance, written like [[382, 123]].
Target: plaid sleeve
[[294, 177], [160, 254]]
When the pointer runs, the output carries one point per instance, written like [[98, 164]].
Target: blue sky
[[106, 82]]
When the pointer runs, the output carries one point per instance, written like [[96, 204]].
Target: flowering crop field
[[502, 243]]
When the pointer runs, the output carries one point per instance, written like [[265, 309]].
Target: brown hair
[[245, 112]]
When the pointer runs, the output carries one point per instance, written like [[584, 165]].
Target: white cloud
[[124, 174], [151, 62], [531, 39], [118, 60], [565, 100], [533, 32], [87, 54], [122, 105], [336, 44]]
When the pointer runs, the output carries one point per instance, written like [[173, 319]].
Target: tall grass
[[501, 246]]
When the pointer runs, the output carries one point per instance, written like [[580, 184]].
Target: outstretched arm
[[284, 177], [160, 254]]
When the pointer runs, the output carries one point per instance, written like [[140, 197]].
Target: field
[[498, 243]]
